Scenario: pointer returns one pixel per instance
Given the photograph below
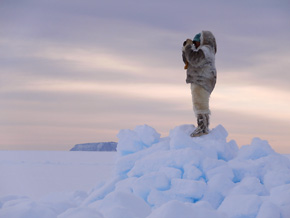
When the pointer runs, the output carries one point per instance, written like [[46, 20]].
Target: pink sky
[[80, 71]]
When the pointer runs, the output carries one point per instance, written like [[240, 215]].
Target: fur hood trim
[[207, 38]]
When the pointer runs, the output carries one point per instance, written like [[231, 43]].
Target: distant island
[[96, 146]]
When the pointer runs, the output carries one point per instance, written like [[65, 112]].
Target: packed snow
[[175, 176]]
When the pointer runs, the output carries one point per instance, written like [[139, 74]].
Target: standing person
[[199, 58]]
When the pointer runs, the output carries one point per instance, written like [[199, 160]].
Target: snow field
[[176, 176], [46, 183], [38, 173]]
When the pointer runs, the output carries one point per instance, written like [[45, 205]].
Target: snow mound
[[179, 176]]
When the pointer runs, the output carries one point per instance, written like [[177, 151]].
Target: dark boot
[[202, 128]]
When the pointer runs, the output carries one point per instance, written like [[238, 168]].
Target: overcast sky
[[77, 71]]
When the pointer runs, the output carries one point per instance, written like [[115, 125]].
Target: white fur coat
[[201, 68]]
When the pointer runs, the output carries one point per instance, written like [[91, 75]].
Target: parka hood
[[207, 38]]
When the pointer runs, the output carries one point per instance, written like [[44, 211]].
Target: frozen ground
[[38, 173], [172, 177]]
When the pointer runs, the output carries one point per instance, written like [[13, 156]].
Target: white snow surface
[[39, 173], [173, 177]]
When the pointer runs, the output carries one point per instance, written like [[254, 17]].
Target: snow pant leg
[[200, 99]]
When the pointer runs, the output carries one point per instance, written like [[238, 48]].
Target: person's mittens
[[186, 43]]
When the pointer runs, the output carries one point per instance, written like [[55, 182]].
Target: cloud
[[256, 100], [112, 65]]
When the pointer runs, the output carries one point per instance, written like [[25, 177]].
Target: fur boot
[[202, 128]]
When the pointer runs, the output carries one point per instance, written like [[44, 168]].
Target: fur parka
[[201, 68]]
